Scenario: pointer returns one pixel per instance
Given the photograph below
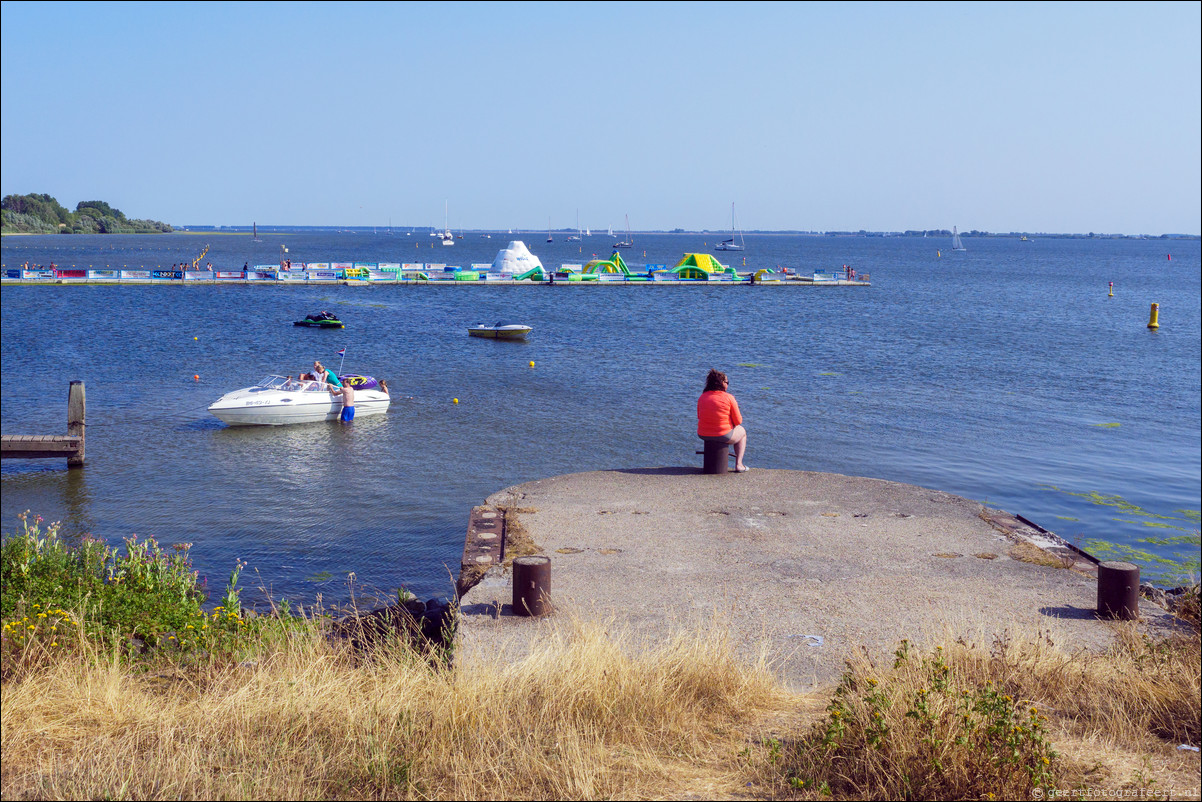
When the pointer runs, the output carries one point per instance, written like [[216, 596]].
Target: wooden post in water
[[76, 421]]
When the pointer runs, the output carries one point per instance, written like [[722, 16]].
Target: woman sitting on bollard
[[718, 418]]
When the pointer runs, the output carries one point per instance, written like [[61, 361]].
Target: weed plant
[[920, 731], [139, 596], [962, 722]]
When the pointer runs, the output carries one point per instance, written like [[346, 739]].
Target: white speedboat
[[280, 400], [501, 330]]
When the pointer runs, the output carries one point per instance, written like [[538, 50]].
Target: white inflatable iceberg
[[515, 258]]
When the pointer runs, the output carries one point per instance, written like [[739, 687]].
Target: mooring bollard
[[531, 585], [1118, 590], [714, 457]]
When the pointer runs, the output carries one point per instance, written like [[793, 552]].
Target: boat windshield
[[287, 383]]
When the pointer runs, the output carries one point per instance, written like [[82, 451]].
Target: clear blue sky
[[1003, 117]]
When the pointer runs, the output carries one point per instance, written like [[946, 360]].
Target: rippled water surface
[[1005, 374]]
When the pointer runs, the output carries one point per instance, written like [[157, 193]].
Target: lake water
[[1004, 374]]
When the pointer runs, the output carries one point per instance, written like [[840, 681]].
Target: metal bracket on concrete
[[484, 545]]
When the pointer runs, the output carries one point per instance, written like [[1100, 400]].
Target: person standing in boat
[[718, 417], [323, 375], [348, 402]]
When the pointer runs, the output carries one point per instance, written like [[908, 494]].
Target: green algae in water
[[1184, 569], [1118, 502], [324, 576], [1107, 425], [1067, 518], [829, 374], [751, 365]]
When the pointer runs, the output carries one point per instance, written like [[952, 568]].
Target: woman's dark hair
[[716, 380]]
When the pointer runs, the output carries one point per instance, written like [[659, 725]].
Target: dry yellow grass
[[580, 718], [585, 716]]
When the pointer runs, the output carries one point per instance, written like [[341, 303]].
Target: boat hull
[[499, 334], [245, 408]]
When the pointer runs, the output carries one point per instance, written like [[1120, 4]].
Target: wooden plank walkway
[[35, 446], [52, 446]]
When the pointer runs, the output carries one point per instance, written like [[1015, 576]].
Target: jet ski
[[322, 320]]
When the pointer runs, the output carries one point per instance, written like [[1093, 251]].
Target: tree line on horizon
[[42, 214]]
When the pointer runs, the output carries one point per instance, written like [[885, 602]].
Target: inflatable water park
[[514, 264]]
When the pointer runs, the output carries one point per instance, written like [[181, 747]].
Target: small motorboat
[[322, 320], [280, 400], [501, 330]]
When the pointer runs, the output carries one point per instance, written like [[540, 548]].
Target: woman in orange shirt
[[718, 418]]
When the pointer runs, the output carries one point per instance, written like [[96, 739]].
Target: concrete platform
[[811, 566]]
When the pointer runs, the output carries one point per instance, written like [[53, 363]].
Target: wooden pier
[[53, 446]]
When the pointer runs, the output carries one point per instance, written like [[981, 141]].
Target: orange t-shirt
[[717, 413]]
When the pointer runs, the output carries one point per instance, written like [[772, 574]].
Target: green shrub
[[141, 596], [918, 732]]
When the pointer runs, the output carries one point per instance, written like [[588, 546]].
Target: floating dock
[[457, 279], [384, 273]]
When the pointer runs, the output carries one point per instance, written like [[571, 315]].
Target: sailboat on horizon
[[629, 241], [729, 244], [255, 232], [576, 237], [957, 245], [447, 237]]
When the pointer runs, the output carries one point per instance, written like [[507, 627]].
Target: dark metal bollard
[[531, 585], [715, 457], [1118, 590]]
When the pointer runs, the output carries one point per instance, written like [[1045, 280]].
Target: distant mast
[[957, 245]]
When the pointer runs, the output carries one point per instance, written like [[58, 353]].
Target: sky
[[1034, 117]]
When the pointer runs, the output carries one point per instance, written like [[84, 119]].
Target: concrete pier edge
[[807, 565]]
